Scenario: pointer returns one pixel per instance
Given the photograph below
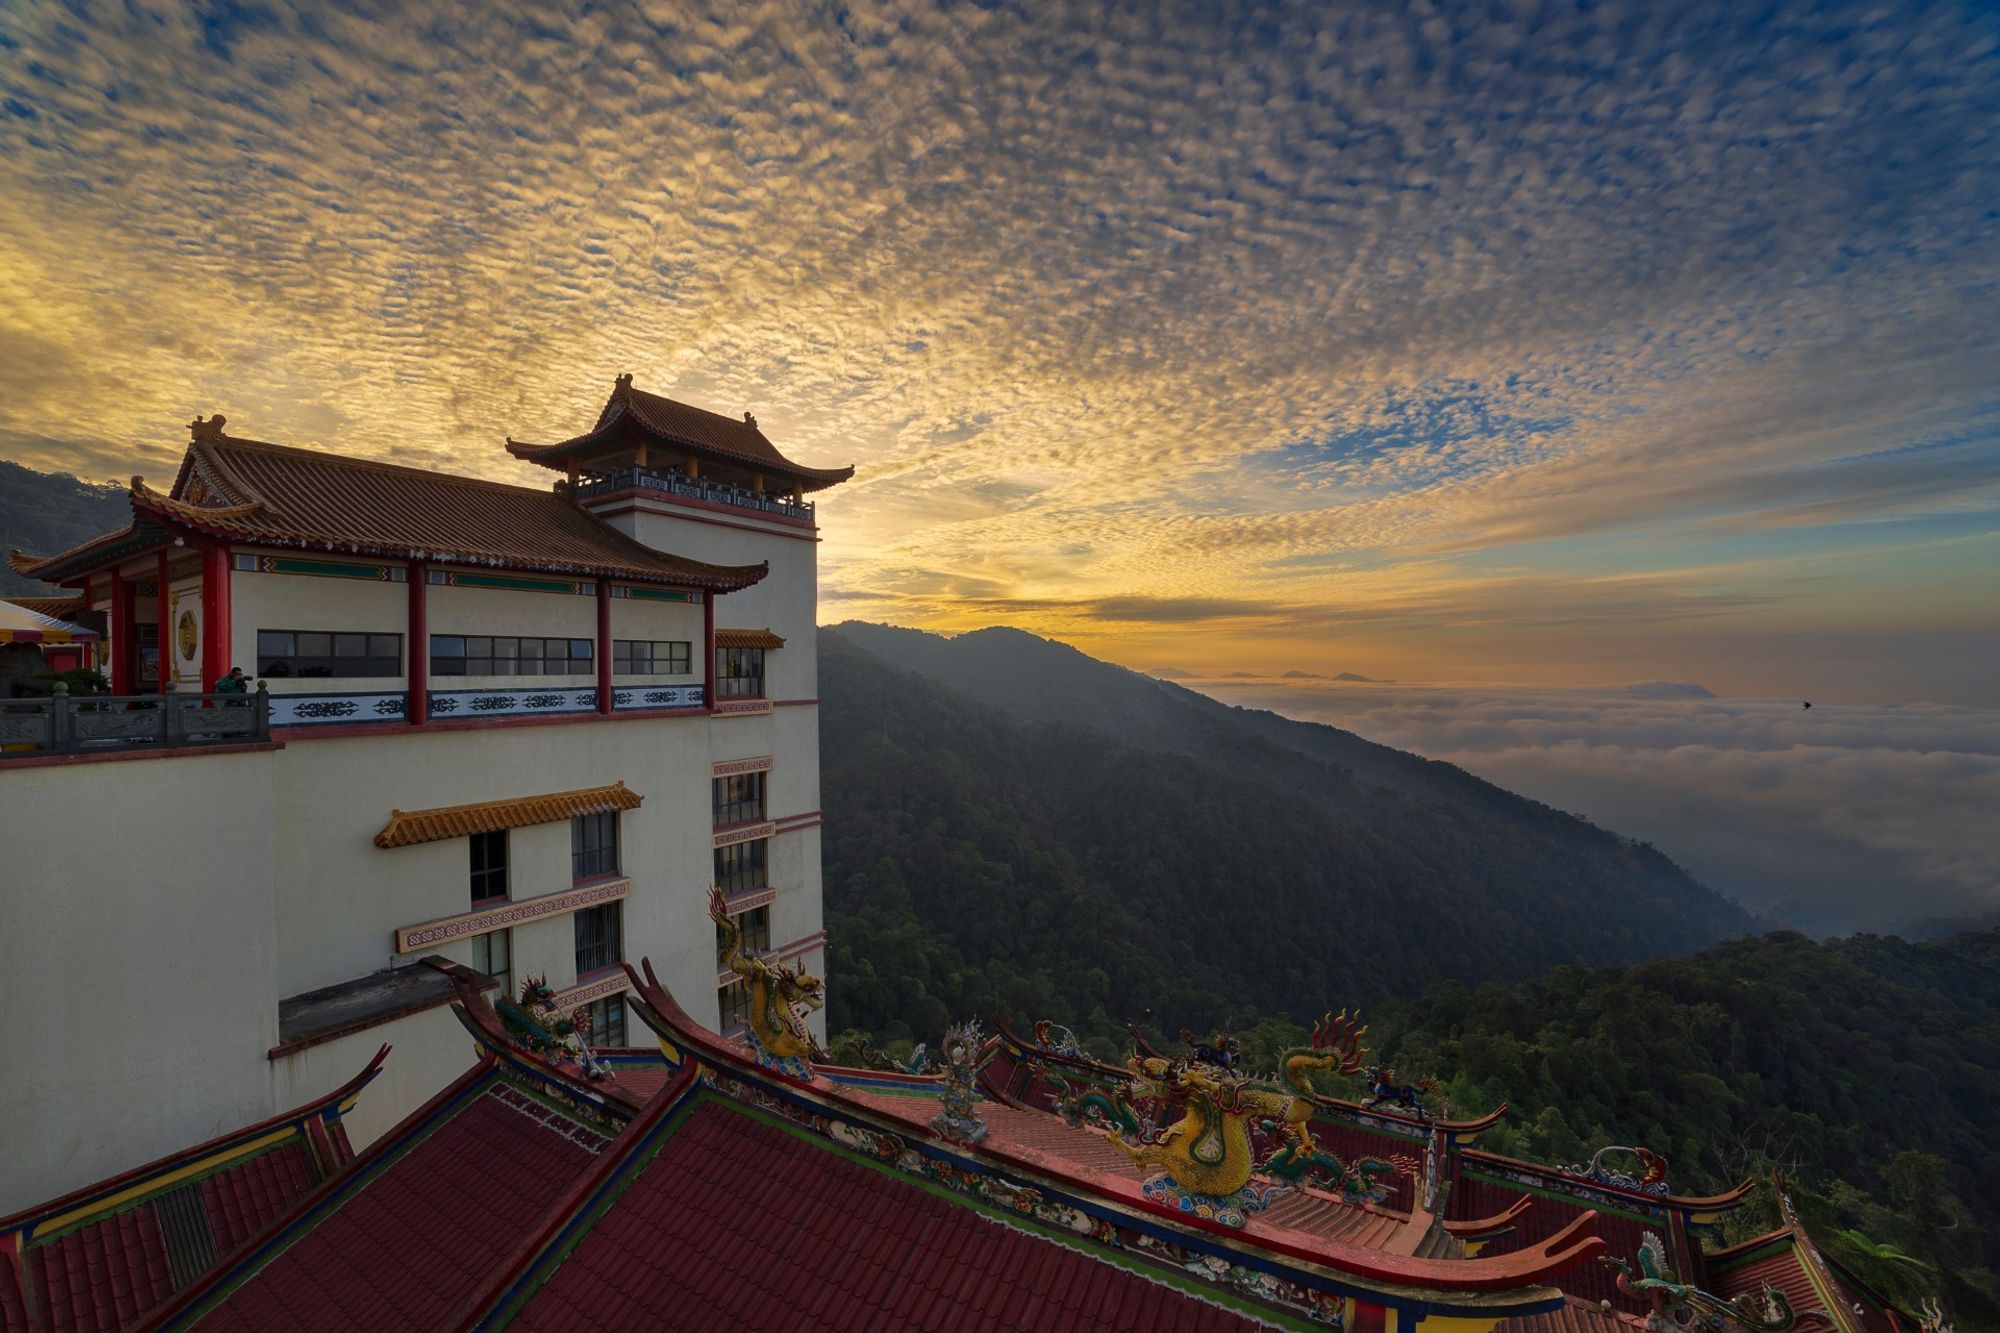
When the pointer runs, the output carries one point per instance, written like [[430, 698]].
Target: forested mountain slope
[[974, 861], [43, 513]]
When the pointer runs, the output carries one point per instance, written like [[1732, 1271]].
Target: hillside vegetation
[[44, 513]]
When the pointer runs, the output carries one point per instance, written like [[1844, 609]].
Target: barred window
[[735, 1005], [607, 1023], [738, 799], [489, 864], [493, 954], [755, 925], [742, 866], [641, 657], [599, 938]]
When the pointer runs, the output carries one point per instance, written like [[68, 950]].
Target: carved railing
[[107, 724], [697, 488]]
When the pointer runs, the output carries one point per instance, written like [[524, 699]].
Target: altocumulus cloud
[[1834, 818], [1203, 297]]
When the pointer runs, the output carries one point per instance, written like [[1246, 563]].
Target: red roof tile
[[246, 1198], [677, 423], [13, 1309], [694, 1242], [102, 1276], [413, 1241]]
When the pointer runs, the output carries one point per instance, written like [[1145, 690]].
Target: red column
[[123, 632], [604, 645], [708, 648], [215, 635], [417, 659], [169, 651]]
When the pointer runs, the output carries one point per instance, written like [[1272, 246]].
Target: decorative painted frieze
[[430, 934], [519, 701], [313, 710], [654, 594], [729, 768], [590, 992], [633, 698], [729, 837], [742, 707], [455, 578], [325, 569]]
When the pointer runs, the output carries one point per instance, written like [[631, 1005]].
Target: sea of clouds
[[1832, 819]]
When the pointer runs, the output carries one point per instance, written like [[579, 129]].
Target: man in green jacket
[[233, 683]]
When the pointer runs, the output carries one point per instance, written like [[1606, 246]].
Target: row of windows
[[285, 653], [593, 848], [493, 954], [742, 866]]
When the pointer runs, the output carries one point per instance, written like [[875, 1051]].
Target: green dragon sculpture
[[780, 998], [535, 1024], [1680, 1305]]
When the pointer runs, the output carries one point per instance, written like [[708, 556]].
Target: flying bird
[[1808, 703]]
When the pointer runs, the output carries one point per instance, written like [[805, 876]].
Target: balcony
[[114, 724], [697, 488]]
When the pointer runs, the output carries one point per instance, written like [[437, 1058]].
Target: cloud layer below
[[1834, 818]]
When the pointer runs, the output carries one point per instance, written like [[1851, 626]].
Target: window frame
[[755, 926], [484, 943], [732, 680], [732, 1004], [509, 654], [728, 798], [743, 866], [593, 859], [490, 870], [601, 1012], [676, 660], [276, 663]]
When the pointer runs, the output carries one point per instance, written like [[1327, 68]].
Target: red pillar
[[708, 648], [418, 651], [604, 646], [123, 651], [169, 652], [215, 635]]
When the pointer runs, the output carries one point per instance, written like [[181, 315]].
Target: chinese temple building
[[522, 729], [706, 1181]]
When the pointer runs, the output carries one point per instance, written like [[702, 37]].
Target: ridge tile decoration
[[429, 934], [406, 828], [745, 833], [729, 768]]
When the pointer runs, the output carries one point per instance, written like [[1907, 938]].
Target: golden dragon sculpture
[[780, 998], [1209, 1155]]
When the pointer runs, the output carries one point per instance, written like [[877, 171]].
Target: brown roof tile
[[268, 494], [747, 638], [680, 424], [406, 828]]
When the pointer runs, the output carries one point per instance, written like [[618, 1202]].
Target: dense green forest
[[43, 513], [976, 862]]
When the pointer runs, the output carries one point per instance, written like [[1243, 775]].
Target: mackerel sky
[[1538, 342]]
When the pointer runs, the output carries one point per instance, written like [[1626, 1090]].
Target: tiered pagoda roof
[[262, 494], [633, 417]]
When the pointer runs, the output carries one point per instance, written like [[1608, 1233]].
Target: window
[[740, 799], [489, 864], [507, 655], [756, 927], [735, 1005], [598, 938], [494, 955], [593, 845], [742, 866], [607, 1023], [739, 673], [324, 655], [638, 657]]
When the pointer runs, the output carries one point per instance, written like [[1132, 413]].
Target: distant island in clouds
[[1175, 673]]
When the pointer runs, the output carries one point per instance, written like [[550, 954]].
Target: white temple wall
[[137, 910], [430, 1048]]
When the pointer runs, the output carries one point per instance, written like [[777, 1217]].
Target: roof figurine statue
[[536, 1024], [1675, 1305], [960, 1058], [1651, 1179], [780, 998], [1382, 1087]]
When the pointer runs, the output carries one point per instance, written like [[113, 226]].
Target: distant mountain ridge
[[1013, 824], [43, 513]]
